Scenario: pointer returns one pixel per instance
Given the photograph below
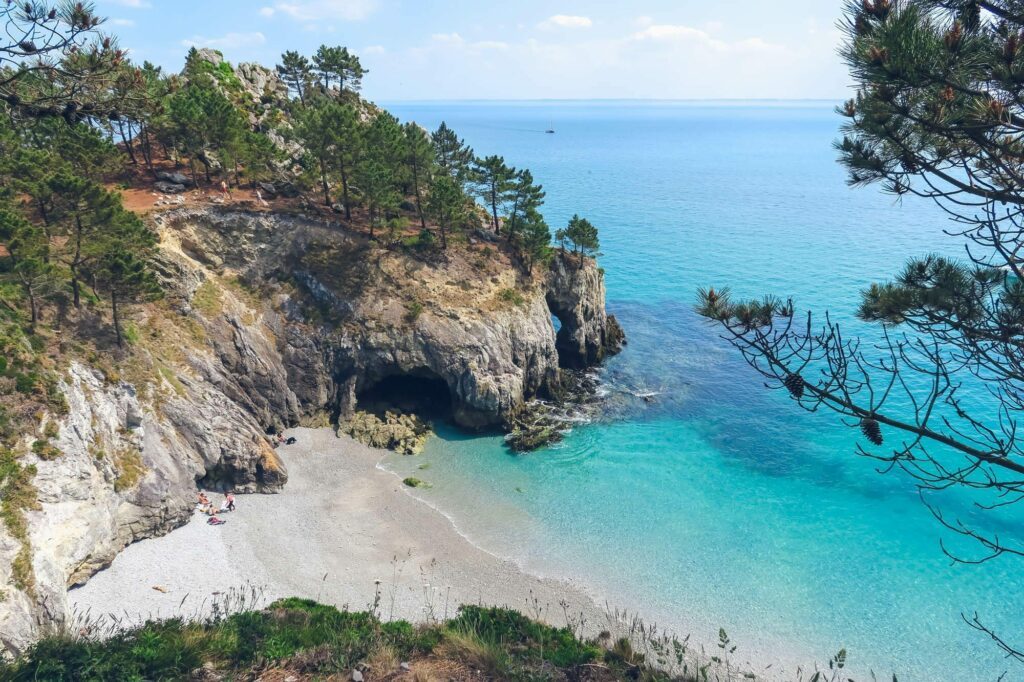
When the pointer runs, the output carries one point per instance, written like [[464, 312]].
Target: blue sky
[[518, 49]]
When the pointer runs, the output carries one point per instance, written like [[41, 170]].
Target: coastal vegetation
[[307, 640], [937, 115]]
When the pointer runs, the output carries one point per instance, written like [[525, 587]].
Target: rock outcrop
[[272, 321], [355, 315]]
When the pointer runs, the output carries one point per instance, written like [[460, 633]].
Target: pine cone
[[794, 383], [869, 427]]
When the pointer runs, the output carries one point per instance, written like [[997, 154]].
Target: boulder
[[174, 178], [165, 187], [405, 434], [268, 189]]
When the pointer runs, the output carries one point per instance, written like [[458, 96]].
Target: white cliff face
[[313, 317], [128, 470]]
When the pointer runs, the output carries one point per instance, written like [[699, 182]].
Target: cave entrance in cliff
[[562, 340], [420, 391]]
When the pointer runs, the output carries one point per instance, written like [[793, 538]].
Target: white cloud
[[565, 21], [320, 10], [374, 49], [267, 11], [644, 58], [228, 41], [679, 34], [132, 3], [127, 23]]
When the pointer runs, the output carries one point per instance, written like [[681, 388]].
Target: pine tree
[[419, 161], [453, 155], [352, 72], [296, 73], [583, 236], [122, 270], [526, 197], [30, 265], [494, 182], [534, 238], [382, 165], [83, 210], [330, 63], [447, 206]]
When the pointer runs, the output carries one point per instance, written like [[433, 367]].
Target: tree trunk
[[76, 289], [323, 182], [494, 209], [419, 198], [128, 138], [344, 193], [117, 319], [147, 147], [192, 167], [34, 305]]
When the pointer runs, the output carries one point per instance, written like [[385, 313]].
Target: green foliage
[[207, 299], [338, 64], [534, 238], [582, 235], [204, 120], [448, 205], [17, 496], [454, 157], [512, 296], [333, 138], [413, 311], [172, 649], [296, 72], [494, 182], [500, 642]]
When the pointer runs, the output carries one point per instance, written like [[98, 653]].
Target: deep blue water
[[721, 504]]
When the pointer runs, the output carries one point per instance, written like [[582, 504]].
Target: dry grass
[[466, 645], [383, 660], [207, 299], [129, 467]]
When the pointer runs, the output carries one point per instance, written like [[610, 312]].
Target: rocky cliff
[[275, 320]]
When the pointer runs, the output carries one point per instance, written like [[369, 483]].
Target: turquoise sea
[[720, 504]]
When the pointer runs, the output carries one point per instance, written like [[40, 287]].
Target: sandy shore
[[340, 525]]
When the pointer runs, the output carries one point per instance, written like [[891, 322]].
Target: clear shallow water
[[721, 504]]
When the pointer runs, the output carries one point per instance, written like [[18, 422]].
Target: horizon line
[[612, 99]]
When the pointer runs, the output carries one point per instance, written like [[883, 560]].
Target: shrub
[[413, 311], [511, 296]]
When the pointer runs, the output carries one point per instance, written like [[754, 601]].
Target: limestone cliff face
[[272, 321]]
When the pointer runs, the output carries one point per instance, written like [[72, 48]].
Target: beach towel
[[214, 521]]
